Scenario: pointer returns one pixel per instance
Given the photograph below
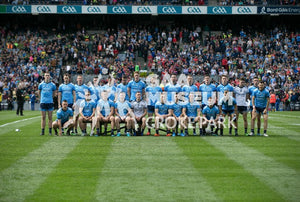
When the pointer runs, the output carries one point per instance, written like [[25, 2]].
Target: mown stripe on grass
[[18, 121], [230, 181], [26, 175], [150, 169], [284, 131], [276, 175], [76, 176], [21, 123]]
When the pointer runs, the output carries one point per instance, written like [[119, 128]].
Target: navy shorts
[[260, 110], [70, 105], [228, 111], [150, 109], [47, 107], [242, 109]]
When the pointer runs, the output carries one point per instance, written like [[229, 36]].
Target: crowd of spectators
[[273, 56], [154, 2]]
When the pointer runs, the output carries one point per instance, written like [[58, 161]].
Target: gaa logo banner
[[69, 9], [19, 9], [119, 9], [169, 9], [144, 9], [219, 10], [94, 9], [244, 10], [44, 9], [194, 10]]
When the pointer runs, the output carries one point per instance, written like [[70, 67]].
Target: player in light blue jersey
[[46, 93], [105, 113], [66, 91], [123, 114], [211, 113], [87, 113], [80, 89], [136, 85], [260, 103], [251, 90], [177, 113], [64, 119], [162, 113], [228, 108], [220, 89], [192, 111], [122, 87], [95, 89], [110, 89], [190, 87], [153, 92], [172, 88], [207, 90]]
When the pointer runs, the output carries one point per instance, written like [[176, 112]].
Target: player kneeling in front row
[[105, 112], [228, 108], [211, 113], [193, 112], [64, 119], [87, 113], [260, 102], [139, 108], [123, 111], [162, 112]]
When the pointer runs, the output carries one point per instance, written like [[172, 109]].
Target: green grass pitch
[[69, 168]]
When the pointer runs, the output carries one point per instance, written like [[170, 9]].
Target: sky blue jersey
[[135, 87], [105, 106], [67, 92], [163, 109], [207, 91], [64, 115], [261, 98], [47, 92], [153, 94], [211, 112], [87, 107]]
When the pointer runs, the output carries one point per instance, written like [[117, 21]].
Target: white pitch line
[[21, 120]]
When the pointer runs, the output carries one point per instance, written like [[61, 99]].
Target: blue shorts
[[150, 109], [46, 107], [251, 108], [227, 112], [260, 110]]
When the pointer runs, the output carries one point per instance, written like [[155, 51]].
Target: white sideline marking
[[21, 120]]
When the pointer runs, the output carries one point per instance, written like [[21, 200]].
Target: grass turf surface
[[44, 168]]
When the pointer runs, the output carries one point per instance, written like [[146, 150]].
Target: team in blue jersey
[[174, 105], [64, 119]]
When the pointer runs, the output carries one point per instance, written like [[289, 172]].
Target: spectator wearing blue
[[32, 100], [260, 103], [46, 93], [136, 85], [64, 119], [66, 91], [228, 108], [207, 90]]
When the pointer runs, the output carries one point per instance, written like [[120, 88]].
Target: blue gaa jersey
[[47, 92], [95, 92], [188, 89], [228, 105], [207, 92], [64, 115], [123, 107], [177, 109], [220, 91], [171, 91], [135, 87], [80, 91], [261, 98], [163, 109], [104, 107], [251, 90], [192, 109], [211, 112], [111, 90], [87, 107], [67, 92], [153, 94], [122, 88]]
